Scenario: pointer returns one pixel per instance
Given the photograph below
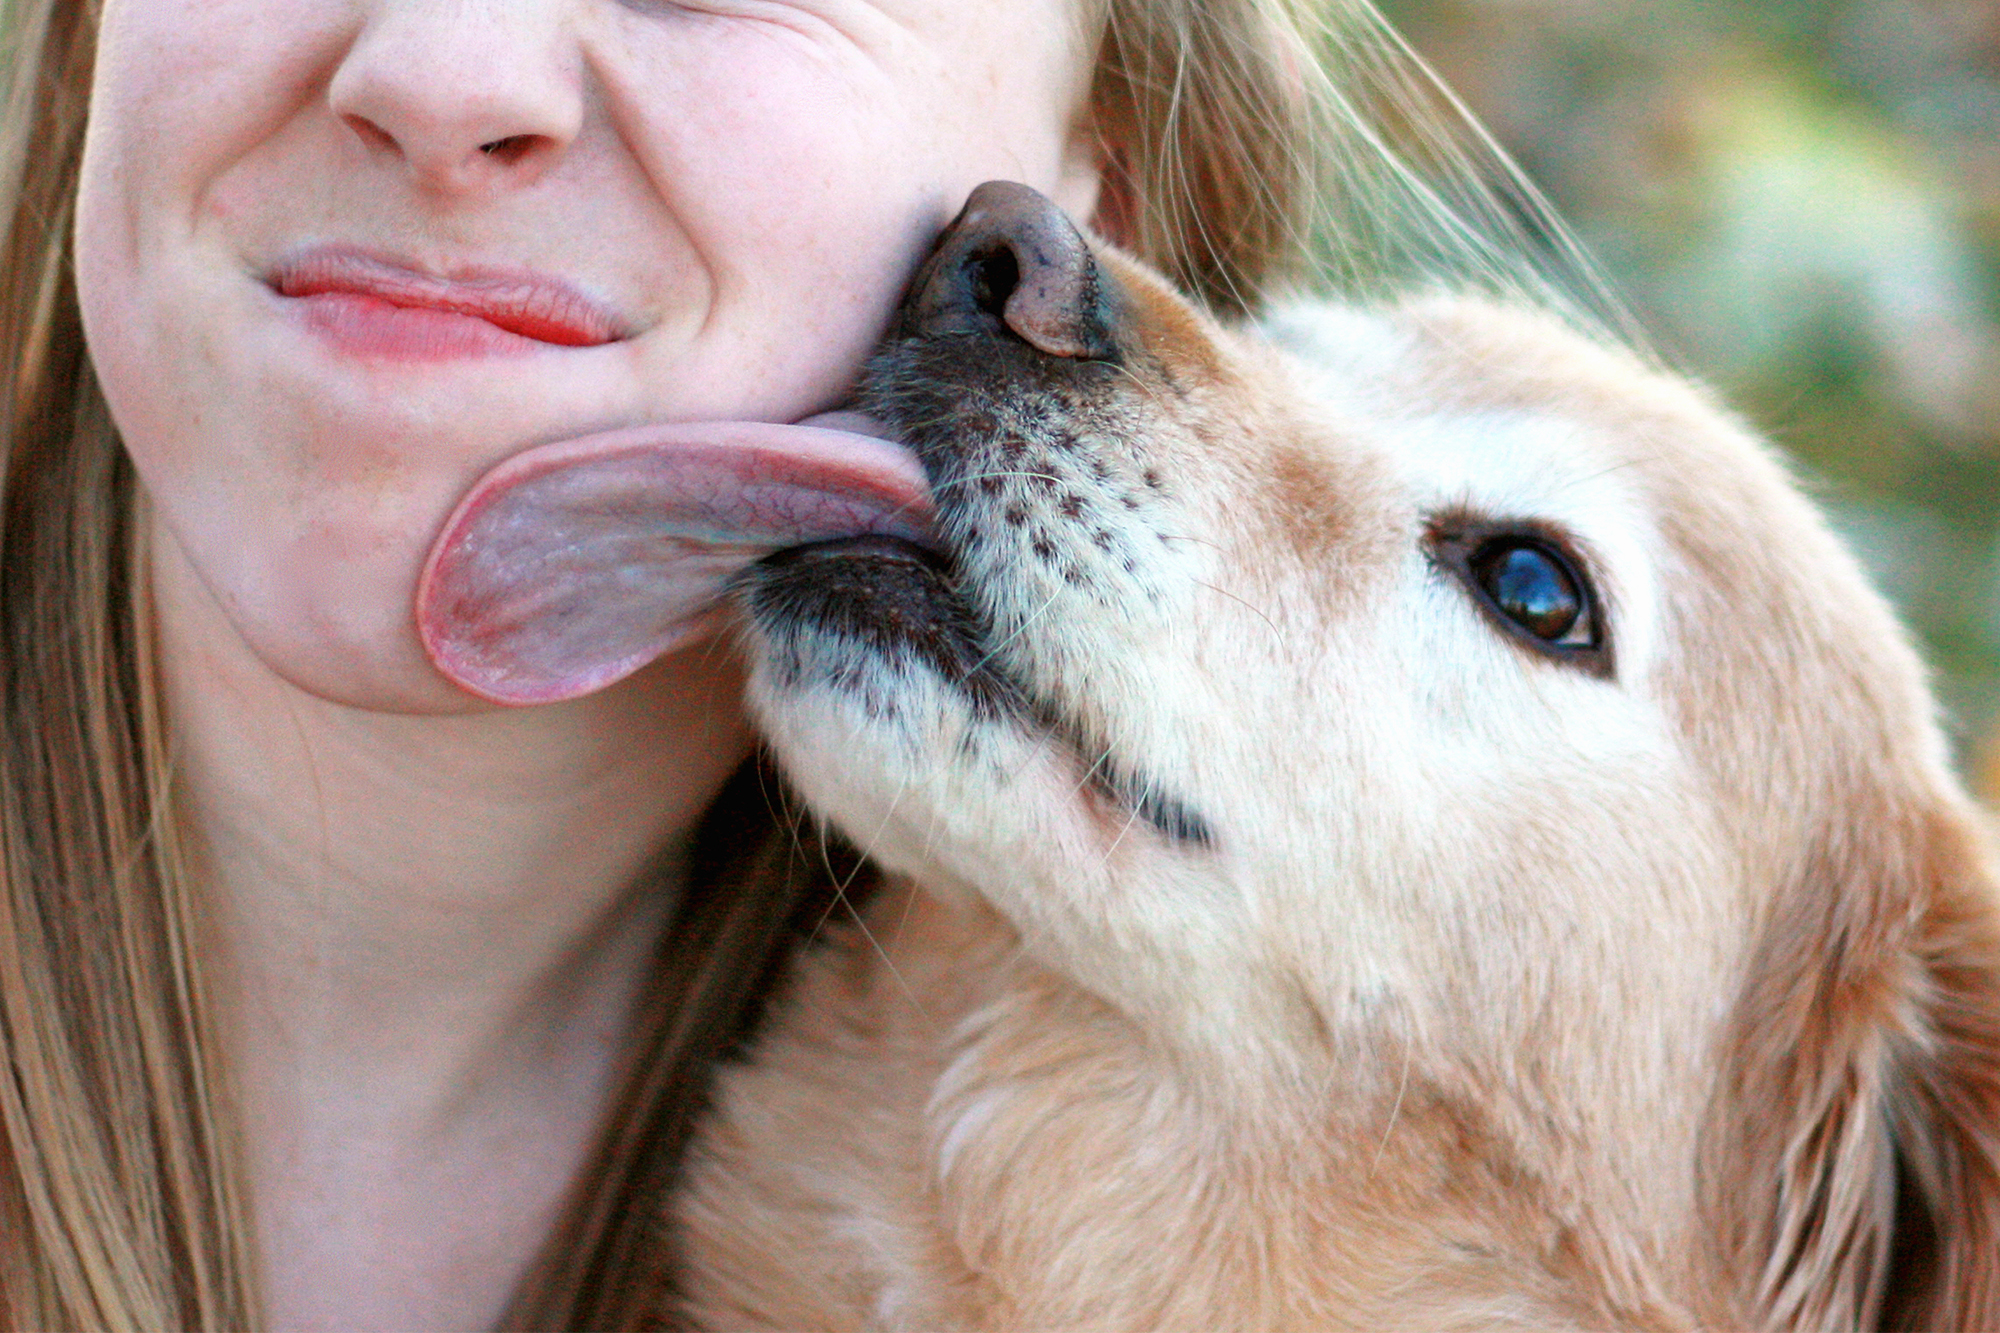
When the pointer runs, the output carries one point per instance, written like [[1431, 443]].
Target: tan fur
[[1505, 996]]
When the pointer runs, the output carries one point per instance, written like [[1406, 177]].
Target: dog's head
[[1448, 684]]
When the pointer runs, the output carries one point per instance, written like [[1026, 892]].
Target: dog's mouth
[[890, 597], [1010, 337]]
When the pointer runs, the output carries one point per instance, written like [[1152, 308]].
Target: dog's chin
[[876, 686], [871, 688], [867, 655], [874, 667]]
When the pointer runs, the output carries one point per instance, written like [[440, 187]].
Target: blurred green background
[[1801, 200]]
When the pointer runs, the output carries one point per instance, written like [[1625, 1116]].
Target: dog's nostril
[[990, 278]]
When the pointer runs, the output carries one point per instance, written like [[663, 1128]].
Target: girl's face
[[337, 258]]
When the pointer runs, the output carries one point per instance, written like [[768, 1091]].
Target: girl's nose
[[469, 95]]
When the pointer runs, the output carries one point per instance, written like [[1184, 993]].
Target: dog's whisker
[[968, 479], [1269, 623], [1583, 482], [917, 1003], [1154, 393], [903, 917], [1395, 1112], [1111, 848], [1027, 622], [838, 898]]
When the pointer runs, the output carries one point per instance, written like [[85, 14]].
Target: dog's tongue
[[572, 565]]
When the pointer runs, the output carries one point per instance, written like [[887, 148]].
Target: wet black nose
[[1013, 262]]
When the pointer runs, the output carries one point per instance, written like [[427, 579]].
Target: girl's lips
[[376, 307]]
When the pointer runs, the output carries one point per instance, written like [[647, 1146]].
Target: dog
[[1393, 818]]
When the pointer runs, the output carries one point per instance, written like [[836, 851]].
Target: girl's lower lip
[[370, 327], [379, 307]]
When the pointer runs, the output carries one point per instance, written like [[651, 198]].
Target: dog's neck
[[1377, 1178], [1212, 1090]]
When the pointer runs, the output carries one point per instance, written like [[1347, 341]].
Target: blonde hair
[[1247, 138], [1273, 145]]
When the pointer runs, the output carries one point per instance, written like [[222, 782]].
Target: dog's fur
[[1276, 939]]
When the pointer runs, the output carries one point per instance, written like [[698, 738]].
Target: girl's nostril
[[508, 149], [991, 277], [369, 132]]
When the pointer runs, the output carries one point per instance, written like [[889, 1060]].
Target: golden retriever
[[1395, 819], [1398, 819]]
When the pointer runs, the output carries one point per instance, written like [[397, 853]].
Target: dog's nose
[[1014, 262]]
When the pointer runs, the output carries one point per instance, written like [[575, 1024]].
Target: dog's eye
[[1529, 581], [1532, 586]]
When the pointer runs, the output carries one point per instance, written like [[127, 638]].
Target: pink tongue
[[572, 565]]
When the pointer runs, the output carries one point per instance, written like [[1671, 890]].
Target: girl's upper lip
[[520, 301]]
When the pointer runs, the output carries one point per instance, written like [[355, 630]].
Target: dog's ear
[[1853, 1172], [1944, 1269]]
